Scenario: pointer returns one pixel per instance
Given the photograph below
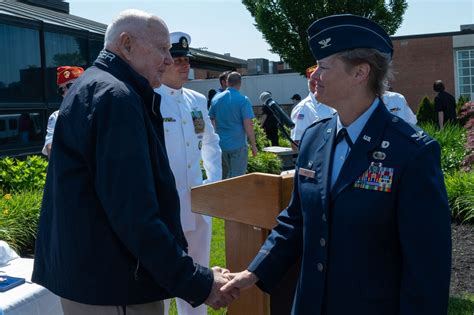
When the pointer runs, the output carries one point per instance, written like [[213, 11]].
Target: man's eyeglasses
[[63, 89], [310, 70]]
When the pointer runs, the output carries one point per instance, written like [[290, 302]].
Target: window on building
[[62, 50], [96, 47], [20, 65], [465, 67], [21, 129]]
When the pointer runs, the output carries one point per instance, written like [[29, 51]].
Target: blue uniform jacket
[[365, 251], [110, 231]]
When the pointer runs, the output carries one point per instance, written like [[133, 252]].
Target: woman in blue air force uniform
[[369, 211]]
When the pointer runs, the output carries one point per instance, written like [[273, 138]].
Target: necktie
[[340, 153], [342, 134]]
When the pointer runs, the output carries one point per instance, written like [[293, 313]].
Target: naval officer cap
[[336, 33], [180, 44]]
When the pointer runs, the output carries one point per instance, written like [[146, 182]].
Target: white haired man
[[110, 239]]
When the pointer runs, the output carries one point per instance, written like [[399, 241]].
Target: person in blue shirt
[[231, 114], [369, 214]]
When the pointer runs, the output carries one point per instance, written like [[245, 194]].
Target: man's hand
[[254, 150], [241, 280], [217, 298]]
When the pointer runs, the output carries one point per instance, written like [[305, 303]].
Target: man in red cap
[[66, 75]]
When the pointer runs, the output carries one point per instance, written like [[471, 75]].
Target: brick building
[[419, 60]]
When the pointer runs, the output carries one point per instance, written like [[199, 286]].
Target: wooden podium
[[249, 204]]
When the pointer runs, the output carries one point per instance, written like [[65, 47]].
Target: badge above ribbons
[[198, 121], [376, 178]]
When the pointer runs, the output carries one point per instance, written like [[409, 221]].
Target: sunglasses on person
[[63, 89], [310, 70]]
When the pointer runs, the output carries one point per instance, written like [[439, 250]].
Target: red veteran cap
[[68, 73]]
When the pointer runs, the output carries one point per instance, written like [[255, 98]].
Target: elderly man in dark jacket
[[110, 239]]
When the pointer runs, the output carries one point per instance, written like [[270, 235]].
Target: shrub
[[466, 118], [461, 102], [451, 139], [282, 140], [19, 216], [426, 112], [466, 114], [264, 162], [460, 188], [260, 136], [18, 175]]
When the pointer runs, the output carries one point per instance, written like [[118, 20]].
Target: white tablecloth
[[28, 298]]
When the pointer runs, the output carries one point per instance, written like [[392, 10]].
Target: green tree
[[283, 23]]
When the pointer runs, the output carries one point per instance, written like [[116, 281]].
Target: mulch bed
[[462, 274]]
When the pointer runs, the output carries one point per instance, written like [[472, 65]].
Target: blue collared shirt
[[341, 152], [229, 109]]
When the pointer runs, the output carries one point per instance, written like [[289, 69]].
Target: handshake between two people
[[227, 286]]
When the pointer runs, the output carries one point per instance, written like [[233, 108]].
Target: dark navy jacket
[[365, 252], [110, 231]]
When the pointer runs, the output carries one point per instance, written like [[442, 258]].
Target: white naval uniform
[[306, 112], [397, 105], [185, 149]]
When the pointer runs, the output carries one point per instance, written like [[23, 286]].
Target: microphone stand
[[281, 126]]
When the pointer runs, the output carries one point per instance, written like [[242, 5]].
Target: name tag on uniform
[[306, 173], [376, 178]]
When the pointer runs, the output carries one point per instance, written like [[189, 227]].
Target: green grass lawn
[[217, 259], [461, 305], [457, 305]]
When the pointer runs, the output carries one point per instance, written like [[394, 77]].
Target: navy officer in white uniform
[[369, 213], [189, 139]]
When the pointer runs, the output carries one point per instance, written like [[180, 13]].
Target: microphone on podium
[[279, 114]]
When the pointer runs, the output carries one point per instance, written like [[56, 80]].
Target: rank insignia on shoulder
[[376, 177], [418, 135], [169, 119]]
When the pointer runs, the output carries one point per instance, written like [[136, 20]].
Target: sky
[[225, 26]]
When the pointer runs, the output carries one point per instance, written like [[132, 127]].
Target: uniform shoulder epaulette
[[413, 132], [319, 121]]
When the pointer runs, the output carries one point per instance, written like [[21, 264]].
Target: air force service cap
[[180, 44], [336, 33]]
